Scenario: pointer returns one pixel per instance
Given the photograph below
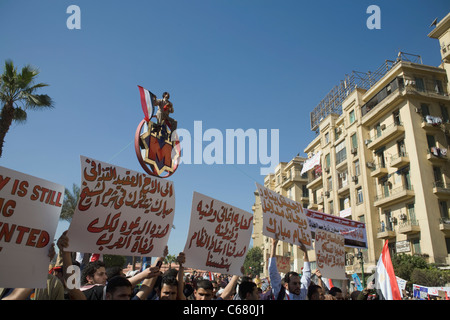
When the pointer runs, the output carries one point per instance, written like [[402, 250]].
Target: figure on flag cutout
[[156, 143]]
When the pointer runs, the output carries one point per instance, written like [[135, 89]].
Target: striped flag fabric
[[147, 102], [386, 281]]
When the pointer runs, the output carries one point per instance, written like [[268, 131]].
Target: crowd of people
[[98, 282]]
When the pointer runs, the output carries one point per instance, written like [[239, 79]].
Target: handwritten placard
[[121, 211], [283, 218], [354, 232], [330, 254], [29, 214], [219, 236]]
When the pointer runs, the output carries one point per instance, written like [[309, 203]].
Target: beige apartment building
[[384, 140]]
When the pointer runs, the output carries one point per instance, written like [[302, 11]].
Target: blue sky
[[230, 64]]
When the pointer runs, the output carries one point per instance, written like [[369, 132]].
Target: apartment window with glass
[[438, 87], [411, 212], [331, 207], [420, 86], [359, 196], [425, 110], [444, 112], [431, 141], [327, 161], [357, 169], [354, 139], [444, 209], [352, 116], [341, 152], [327, 137], [330, 183], [396, 115]]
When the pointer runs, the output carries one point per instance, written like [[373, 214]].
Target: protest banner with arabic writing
[[219, 236], [30, 209], [121, 212], [354, 232], [330, 254], [283, 218]]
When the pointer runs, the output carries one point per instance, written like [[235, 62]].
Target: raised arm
[[74, 292], [274, 276], [149, 283], [180, 276]]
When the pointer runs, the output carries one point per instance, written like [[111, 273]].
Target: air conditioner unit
[[327, 170], [418, 110], [355, 178], [354, 150], [383, 126], [367, 141], [370, 164], [338, 130], [327, 193]]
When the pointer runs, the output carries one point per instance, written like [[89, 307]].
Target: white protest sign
[[354, 232], [219, 236], [29, 214], [121, 212], [330, 254], [283, 218]]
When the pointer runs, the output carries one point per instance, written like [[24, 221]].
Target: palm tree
[[19, 88], [70, 203]]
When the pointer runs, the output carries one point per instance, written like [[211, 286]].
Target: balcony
[[289, 180], [385, 233], [390, 133], [400, 160], [441, 190], [390, 197], [314, 182], [409, 227], [444, 225], [378, 170], [431, 124], [437, 155]]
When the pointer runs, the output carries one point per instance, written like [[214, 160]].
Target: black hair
[[204, 284], [334, 290], [116, 282], [287, 276], [246, 287], [90, 269]]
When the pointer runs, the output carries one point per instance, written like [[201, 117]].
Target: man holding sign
[[294, 287]]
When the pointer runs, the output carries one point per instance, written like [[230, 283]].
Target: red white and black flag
[[147, 99], [386, 281]]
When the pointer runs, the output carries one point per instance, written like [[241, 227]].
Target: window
[[396, 115], [401, 148], [431, 141], [354, 141], [305, 192], [444, 112], [357, 169], [437, 174], [444, 209], [359, 196], [438, 87], [416, 246], [330, 183], [419, 84], [341, 153], [331, 207], [425, 110], [378, 130], [352, 116], [327, 137], [327, 161], [337, 133], [411, 212]]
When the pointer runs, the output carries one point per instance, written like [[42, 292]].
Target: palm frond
[[20, 115]]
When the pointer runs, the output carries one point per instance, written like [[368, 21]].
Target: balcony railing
[[391, 196]]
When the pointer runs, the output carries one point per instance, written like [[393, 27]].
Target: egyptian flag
[[147, 99], [386, 281]]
